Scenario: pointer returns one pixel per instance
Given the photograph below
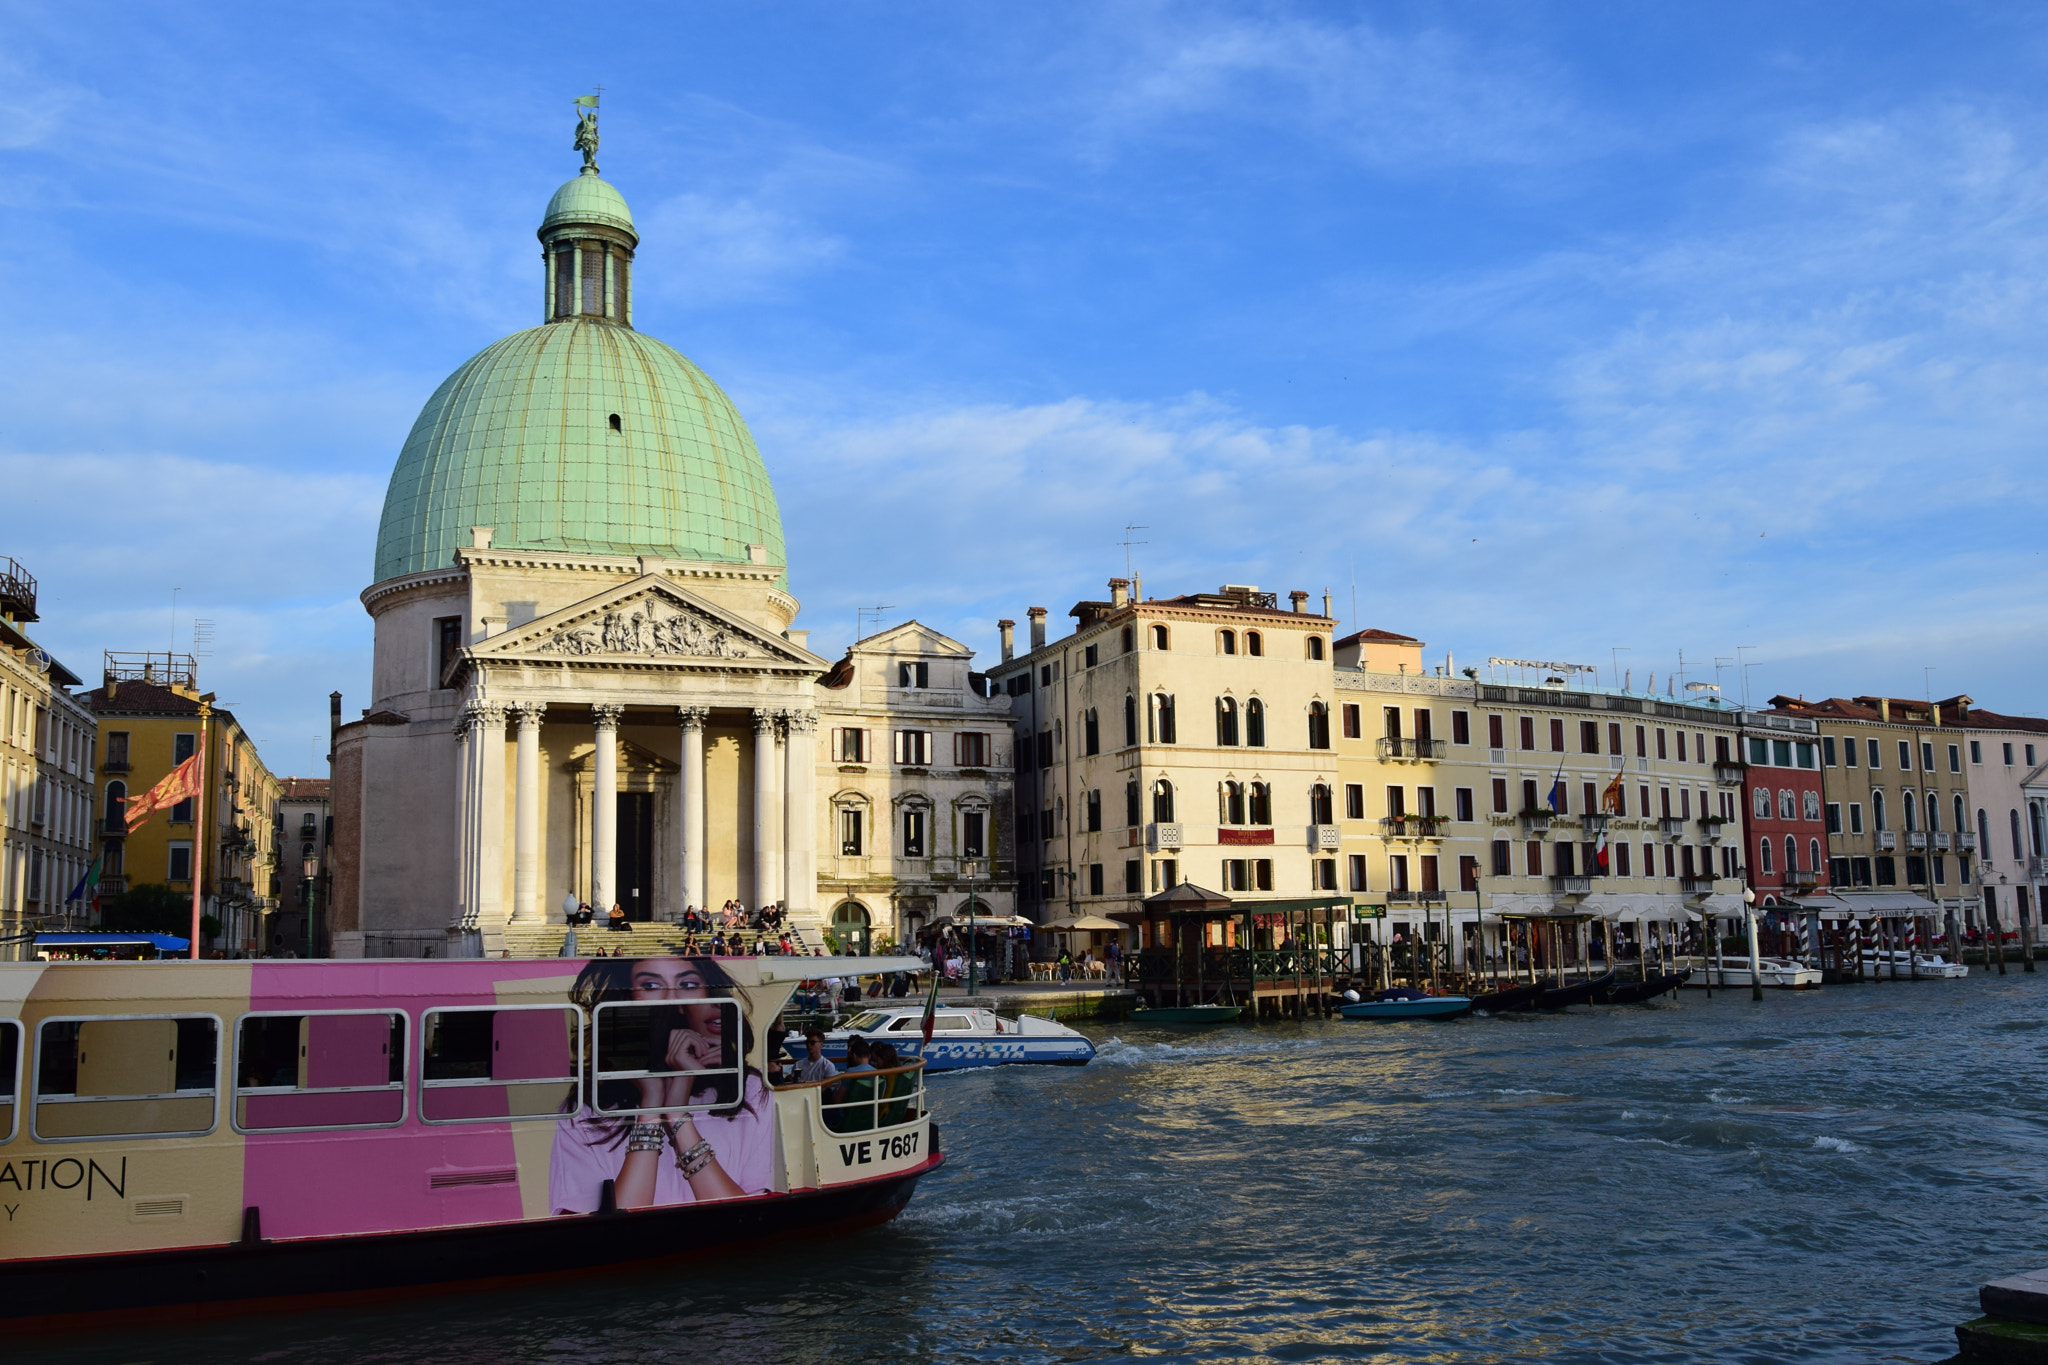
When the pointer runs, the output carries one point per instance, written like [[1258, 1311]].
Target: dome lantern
[[587, 240]]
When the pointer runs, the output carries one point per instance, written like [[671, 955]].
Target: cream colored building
[[1169, 740], [46, 778], [1447, 799], [914, 776]]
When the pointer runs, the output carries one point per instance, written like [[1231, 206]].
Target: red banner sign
[[1244, 836]]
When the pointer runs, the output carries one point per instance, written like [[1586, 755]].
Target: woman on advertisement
[[703, 1130]]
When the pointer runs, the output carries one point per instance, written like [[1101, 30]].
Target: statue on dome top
[[586, 131]]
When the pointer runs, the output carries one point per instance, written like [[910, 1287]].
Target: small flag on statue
[[181, 783]]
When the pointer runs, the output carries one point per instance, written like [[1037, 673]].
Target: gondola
[[1508, 999], [1636, 992], [1581, 993]]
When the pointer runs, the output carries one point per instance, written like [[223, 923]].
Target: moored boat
[[965, 1037], [189, 1136], [1777, 973], [1636, 992], [1576, 993], [1928, 967], [1406, 1003], [1509, 999], [1186, 1014]]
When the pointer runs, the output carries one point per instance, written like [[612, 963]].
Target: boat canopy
[[163, 943], [1864, 905]]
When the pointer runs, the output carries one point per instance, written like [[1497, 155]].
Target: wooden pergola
[[1177, 963]]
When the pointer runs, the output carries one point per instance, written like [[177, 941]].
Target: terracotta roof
[[839, 675], [1950, 710], [142, 698], [1379, 635], [302, 789], [1992, 720]]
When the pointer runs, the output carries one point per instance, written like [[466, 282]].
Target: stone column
[[799, 820], [487, 737], [690, 808], [526, 891], [465, 825], [767, 798], [604, 810]]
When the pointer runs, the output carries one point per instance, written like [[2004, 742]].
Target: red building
[[1784, 822]]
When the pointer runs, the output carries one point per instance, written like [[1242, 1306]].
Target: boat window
[[10, 1071], [954, 1021], [906, 1024], [147, 1076], [484, 1064], [653, 1057], [861, 1023], [334, 1069]]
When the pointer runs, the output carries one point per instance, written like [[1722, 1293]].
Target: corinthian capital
[[693, 717], [800, 722], [764, 722], [484, 715], [605, 715], [525, 713]]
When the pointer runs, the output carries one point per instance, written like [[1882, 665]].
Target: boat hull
[[268, 1276], [947, 1055], [1775, 977], [1507, 1000], [1636, 992], [1430, 1007], [1187, 1014]]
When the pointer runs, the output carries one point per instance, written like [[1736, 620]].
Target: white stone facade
[[46, 792]]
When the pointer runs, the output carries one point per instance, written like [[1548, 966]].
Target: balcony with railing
[[1712, 827], [1887, 841], [1966, 843], [1536, 821], [1393, 748], [1728, 774], [1941, 841], [1696, 886], [1916, 841], [1415, 898], [1801, 879], [1162, 836], [17, 590], [114, 823], [1414, 826], [1572, 886], [1672, 826]]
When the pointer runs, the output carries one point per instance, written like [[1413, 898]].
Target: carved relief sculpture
[[647, 632]]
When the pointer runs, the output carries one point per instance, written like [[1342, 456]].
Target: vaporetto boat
[[182, 1137], [1928, 967], [1778, 973], [962, 1038]]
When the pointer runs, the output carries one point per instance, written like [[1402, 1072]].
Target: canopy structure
[[1865, 905], [987, 922], [164, 943], [1085, 924]]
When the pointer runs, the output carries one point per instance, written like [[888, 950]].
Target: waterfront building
[[1470, 799], [303, 833], [46, 778], [586, 684], [1785, 819], [1895, 797], [2005, 760], [915, 774], [151, 717], [1171, 740]]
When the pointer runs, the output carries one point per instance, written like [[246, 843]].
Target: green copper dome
[[581, 435]]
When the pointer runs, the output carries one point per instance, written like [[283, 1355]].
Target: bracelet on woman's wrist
[[647, 1137], [694, 1160]]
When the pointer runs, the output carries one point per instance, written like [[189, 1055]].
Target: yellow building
[[152, 717]]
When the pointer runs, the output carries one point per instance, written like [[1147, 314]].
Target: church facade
[[586, 684]]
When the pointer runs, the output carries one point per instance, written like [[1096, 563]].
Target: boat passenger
[[854, 1092], [893, 1110], [668, 1155], [817, 1066]]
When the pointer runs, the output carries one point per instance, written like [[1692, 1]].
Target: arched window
[[1233, 803], [1318, 725], [1134, 814], [1319, 812], [1877, 812], [1761, 803], [1912, 809], [1763, 848], [1963, 817], [2034, 823], [1255, 723], [1315, 647], [117, 806], [1983, 834], [1261, 812], [1933, 813], [1159, 637], [1810, 805], [1787, 807], [1226, 641], [1791, 854], [2017, 852], [1091, 731], [1813, 853], [1253, 644], [1226, 721], [1130, 721], [1130, 639], [1162, 802], [1159, 722]]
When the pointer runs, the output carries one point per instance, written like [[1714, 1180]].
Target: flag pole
[[199, 830]]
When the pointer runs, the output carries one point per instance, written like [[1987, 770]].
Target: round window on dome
[[615, 423]]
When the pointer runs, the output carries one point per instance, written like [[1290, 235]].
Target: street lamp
[[1756, 973]]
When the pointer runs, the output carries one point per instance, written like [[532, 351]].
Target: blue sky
[[1557, 328]]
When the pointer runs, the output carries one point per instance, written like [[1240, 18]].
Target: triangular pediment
[[647, 620], [914, 638]]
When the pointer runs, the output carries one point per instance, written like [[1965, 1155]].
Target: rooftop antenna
[[202, 638], [1617, 651], [1354, 593], [1720, 662], [1128, 543], [1745, 667], [173, 645], [860, 620]]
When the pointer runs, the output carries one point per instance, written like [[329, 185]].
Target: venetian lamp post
[[1756, 974]]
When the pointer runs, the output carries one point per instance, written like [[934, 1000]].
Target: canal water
[[1822, 1177]]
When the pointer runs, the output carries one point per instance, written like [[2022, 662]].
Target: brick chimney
[[1300, 601], [1009, 630], [1037, 616], [1119, 592]]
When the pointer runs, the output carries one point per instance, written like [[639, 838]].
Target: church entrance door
[[636, 855]]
